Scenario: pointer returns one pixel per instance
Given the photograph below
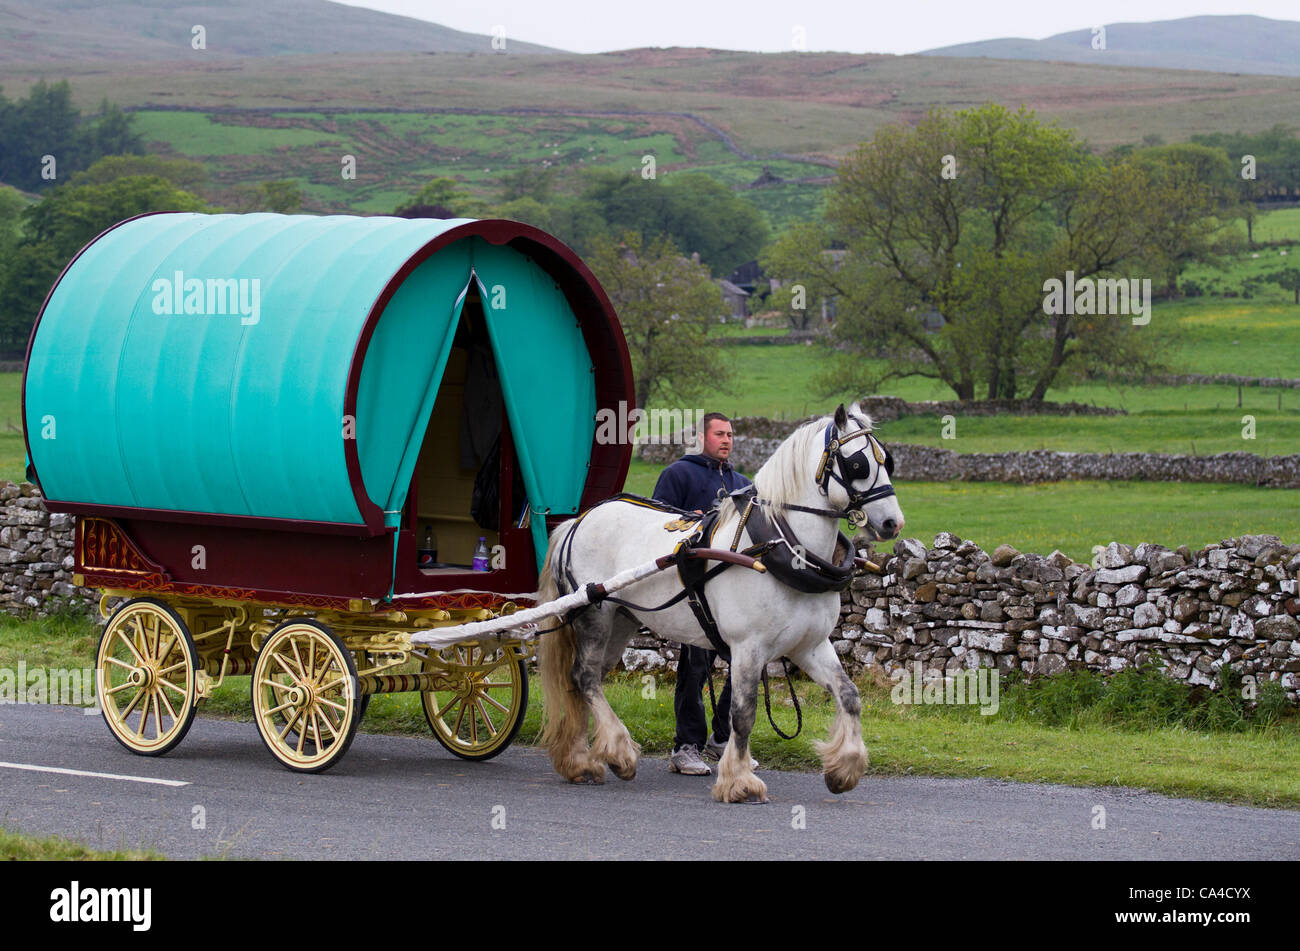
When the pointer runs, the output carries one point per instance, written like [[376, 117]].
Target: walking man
[[692, 482]]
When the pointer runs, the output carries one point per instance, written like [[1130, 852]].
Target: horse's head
[[855, 471]]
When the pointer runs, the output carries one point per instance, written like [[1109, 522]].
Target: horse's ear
[[841, 417]]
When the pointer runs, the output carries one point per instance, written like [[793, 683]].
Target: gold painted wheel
[[145, 677], [478, 709], [305, 696]]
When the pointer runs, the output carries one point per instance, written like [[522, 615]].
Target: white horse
[[827, 469]]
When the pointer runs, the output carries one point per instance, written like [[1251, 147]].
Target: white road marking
[[82, 772]]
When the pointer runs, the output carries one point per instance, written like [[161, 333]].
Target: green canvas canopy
[[284, 368]]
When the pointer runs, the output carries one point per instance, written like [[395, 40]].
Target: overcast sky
[[857, 26]]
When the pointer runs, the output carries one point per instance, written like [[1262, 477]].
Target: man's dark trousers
[[693, 665]]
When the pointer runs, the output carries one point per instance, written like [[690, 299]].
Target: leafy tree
[[697, 213], [1288, 279], [184, 174], [960, 221], [666, 304], [45, 123], [57, 227], [531, 181], [804, 250], [445, 194], [283, 197], [528, 210]]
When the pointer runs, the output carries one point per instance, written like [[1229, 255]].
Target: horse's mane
[[784, 476]]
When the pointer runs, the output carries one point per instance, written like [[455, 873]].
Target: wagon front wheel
[[305, 696], [144, 670], [480, 704]]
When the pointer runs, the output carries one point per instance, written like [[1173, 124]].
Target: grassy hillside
[[398, 152], [805, 104], [56, 31], [1226, 44]]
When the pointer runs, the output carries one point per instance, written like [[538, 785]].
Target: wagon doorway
[[467, 483]]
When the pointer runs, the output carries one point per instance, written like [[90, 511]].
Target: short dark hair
[[710, 417]]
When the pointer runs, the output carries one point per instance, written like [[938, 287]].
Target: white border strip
[[82, 772]]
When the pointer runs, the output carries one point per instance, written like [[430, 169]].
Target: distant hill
[[59, 31], [1221, 44]]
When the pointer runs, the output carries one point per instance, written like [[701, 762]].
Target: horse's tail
[[564, 710]]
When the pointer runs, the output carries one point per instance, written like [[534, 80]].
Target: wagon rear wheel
[[305, 696], [145, 677], [481, 705]]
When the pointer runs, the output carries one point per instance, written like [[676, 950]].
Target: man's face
[[717, 440]]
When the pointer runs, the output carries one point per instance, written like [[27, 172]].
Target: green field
[[398, 152], [1077, 516]]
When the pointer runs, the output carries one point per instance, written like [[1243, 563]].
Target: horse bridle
[[856, 467]]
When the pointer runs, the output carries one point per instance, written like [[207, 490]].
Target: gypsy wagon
[[283, 438]]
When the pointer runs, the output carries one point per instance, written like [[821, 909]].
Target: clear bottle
[[481, 555]]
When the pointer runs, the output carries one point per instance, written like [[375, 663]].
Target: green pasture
[[195, 135], [1280, 224], [1077, 516]]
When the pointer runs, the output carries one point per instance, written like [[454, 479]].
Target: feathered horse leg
[[565, 712], [737, 781], [844, 755]]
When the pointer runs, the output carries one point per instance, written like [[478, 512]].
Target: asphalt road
[[407, 798]]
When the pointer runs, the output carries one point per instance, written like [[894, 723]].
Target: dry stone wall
[[953, 606], [36, 555], [947, 606]]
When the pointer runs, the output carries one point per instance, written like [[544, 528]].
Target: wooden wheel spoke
[[302, 735], [460, 718], [331, 685], [274, 710], [298, 657], [289, 724], [315, 729], [119, 663], [486, 721], [157, 714], [332, 703], [134, 700], [163, 697], [176, 666], [446, 707], [118, 689], [335, 728], [144, 717], [139, 660], [275, 684], [287, 669], [324, 716], [495, 702], [163, 682]]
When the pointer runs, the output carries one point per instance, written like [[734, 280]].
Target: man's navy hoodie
[[693, 481]]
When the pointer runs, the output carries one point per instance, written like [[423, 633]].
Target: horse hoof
[[757, 800], [625, 773], [588, 778], [837, 785]]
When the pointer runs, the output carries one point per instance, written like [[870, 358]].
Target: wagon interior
[[467, 422]]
